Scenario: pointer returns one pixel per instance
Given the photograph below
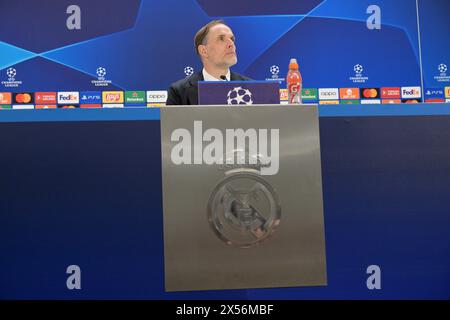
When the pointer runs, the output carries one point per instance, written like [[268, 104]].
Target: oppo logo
[[328, 94], [156, 96]]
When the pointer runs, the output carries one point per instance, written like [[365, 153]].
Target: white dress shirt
[[208, 77]]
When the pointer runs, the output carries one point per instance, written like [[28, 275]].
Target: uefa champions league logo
[[442, 77], [239, 95], [188, 71], [358, 68], [11, 73], [101, 73], [11, 82], [101, 81], [358, 77], [274, 70], [275, 74]]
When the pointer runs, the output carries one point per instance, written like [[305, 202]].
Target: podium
[[242, 190]]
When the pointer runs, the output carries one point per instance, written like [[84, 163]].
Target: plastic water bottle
[[294, 83]]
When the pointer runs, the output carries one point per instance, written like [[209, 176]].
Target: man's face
[[219, 48]]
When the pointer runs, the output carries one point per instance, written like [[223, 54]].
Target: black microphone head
[[223, 77]]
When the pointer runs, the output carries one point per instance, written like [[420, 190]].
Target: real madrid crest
[[243, 208]]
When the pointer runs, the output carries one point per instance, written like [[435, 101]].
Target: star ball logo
[[442, 77], [358, 68], [101, 73], [358, 76], [101, 81], [11, 82], [188, 71], [11, 73], [274, 70], [239, 95]]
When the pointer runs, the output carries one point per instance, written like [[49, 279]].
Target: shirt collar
[[208, 77]]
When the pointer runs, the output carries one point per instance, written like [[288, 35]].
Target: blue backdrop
[[89, 193], [147, 44]]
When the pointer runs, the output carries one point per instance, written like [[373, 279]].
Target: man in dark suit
[[215, 46]]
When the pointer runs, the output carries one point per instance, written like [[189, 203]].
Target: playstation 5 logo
[[234, 147]]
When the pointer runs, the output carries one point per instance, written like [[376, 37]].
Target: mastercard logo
[[370, 93], [23, 98]]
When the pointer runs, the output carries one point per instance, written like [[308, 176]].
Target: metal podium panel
[[242, 197]]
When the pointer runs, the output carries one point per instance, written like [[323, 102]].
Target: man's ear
[[202, 50]]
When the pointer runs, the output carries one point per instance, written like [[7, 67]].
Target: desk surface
[[106, 114]]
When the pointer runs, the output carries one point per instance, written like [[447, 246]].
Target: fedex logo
[[411, 92], [112, 96], [68, 97]]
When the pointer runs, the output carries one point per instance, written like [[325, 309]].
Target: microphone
[[223, 77]]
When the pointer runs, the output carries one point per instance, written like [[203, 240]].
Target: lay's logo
[[283, 95], [112, 96]]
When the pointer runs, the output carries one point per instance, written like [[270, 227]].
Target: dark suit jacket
[[185, 91]]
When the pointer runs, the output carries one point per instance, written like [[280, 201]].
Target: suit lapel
[[192, 89]]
